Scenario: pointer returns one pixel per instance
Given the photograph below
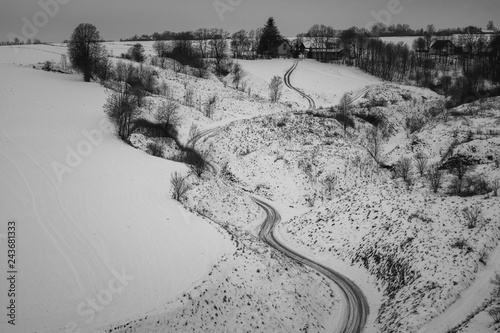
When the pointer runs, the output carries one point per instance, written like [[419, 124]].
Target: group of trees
[[18, 41], [478, 59], [393, 30], [211, 43]]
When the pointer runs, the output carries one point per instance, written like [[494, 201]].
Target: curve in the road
[[357, 309], [288, 83]]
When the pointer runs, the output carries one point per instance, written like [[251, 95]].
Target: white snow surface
[[325, 83], [101, 240]]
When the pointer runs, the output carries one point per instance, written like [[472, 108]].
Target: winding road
[[356, 311], [356, 308], [288, 74]]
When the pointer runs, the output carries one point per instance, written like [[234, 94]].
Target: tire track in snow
[[356, 310], [288, 74]]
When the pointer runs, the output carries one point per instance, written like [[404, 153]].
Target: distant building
[[324, 51], [285, 49], [443, 48]]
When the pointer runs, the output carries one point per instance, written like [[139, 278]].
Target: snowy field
[[325, 83], [99, 239], [408, 40], [103, 248]]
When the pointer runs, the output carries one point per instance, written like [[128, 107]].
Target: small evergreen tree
[[270, 39]]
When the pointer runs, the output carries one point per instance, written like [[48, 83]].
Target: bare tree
[[240, 42], [203, 36], [490, 26], [198, 163], [85, 50], [421, 161], [404, 169], [168, 114], [275, 88], [435, 177], [161, 48], [189, 97], [374, 141], [345, 107], [166, 90], [210, 106], [180, 186], [219, 48], [121, 109], [238, 74], [120, 71], [193, 136]]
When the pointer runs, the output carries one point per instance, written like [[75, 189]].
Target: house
[[443, 48], [324, 51], [285, 49]]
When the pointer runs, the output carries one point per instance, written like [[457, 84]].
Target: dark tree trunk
[[86, 75]]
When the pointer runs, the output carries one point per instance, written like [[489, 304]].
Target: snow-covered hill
[[98, 237]]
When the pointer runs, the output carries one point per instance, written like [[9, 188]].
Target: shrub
[[421, 161], [329, 183], [483, 256], [47, 66], [345, 119], [155, 149], [197, 162], [180, 186], [281, 123], [462, 244], [495, 314], [275, 88], [404, 169], [472, 216], [474, 185], [377, 102], [459, 165], [136, 53], [244, 85], [151, 129], [371, 118], [414, 124], [435, 177]]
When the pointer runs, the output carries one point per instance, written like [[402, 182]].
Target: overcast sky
[[117, 19]]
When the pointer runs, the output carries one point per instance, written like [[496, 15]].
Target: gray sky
[[117, 19]]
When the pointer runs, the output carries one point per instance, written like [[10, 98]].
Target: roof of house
[[439, 44]]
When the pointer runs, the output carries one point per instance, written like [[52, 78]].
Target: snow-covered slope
[[326, 83], [98, 237]]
